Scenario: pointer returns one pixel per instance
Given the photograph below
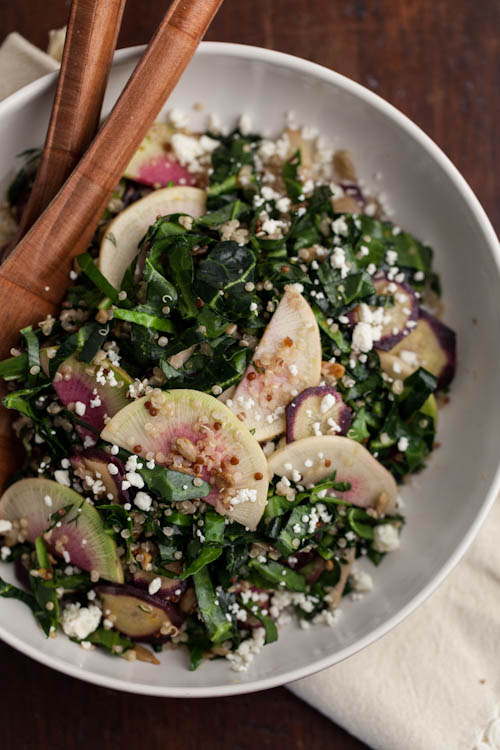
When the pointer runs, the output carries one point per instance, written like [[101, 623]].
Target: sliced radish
[[154, 163], [80, 539], [120, 243], [93, 465], [286, 361], [317, 411], [431, 345], [371, 483], [335, 594], [180, 359], [93, 392], [170, 588], [190, 431], [139, 615], [391, 322]]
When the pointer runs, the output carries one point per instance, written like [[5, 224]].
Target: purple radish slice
[[139, 615], [189, 431], [316, 458], [94, 463], [85, 544], [286, 361], [431, 345], [154, 163], [393, 321], [93, 392], [171, 588], [317, 411], [120, 243]]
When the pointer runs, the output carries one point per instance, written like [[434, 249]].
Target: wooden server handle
[[88, 53]]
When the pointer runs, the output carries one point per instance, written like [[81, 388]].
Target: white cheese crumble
[[327, 402], [5, 526], [339, 226], [5, 553], [409, 357], [189, 149], [143, 501], [361, 582], [154, 586], [362, 337], [244, 496], [403, 444], [337, 260], [247, 650], [386, 538], [79, 622], [80, 408], [62, 477]]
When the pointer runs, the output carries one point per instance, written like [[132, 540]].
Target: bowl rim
[[253, 53]]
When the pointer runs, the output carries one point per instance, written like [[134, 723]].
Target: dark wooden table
[[438, 61]]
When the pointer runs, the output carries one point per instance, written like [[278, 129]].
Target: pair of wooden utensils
[[78, 172]]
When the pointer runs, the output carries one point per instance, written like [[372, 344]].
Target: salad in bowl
[[248, 362]]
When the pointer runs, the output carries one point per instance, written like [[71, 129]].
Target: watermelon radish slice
[[371, 483], [102, 389], [317, 411], [393, 320], [154, 163], [96, 464], [121, 240], [431, 345], [85, 541], [137, 614], [286, 361], [189, 431]]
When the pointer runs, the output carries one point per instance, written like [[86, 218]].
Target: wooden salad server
[[88, 53], [34, 277]]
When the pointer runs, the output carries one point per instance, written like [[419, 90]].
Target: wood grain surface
[[437, 61]]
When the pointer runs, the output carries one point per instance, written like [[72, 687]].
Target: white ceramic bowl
[[444, 505]]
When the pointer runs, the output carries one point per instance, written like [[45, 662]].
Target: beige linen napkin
[[434, 682]]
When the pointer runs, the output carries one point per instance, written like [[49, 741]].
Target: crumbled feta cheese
[[339, 226], [327, 402], [188, 149], [403, 444], [247, 650], [79, 622], [385, 538], [363, 337], [361, 582], [244, 496], [80, 408], [337, 260], [283, 204], [154, 586], [143, 501], [5, 553], [62, 477], [5, 526], [409, 357]]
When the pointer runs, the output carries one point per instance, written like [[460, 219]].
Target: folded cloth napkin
[[434, 682]]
